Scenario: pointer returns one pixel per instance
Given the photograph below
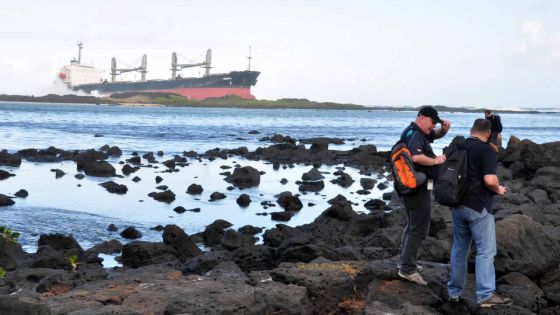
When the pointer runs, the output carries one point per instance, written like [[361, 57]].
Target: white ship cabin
[[77, 74]]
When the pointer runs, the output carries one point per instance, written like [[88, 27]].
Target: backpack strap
[[408, 131]]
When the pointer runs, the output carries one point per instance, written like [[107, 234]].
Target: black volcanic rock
[[131, 233], [512, 252], [217, 196], [243, 200], [250, 230], [232, 240], [114, 151], [135, 160], [312, 174], [312, 186], [139, 253], [180, 209], [343, 180], [244, 177], [283, 216], [169, 163], [22, 193], [164, 196], [4, 175], [195, 189], [59, 242], [114, 188], [99, 169], [374, 204], [108, 247], [382, 186], [213, 233], [175, 237], [127, 169], [289, 202], [5, 201], [367, 183], [8, 159]]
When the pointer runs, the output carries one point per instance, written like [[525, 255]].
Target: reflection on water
[[85, 209]]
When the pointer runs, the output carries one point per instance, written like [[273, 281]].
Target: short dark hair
[[487, 111], [481, 125]]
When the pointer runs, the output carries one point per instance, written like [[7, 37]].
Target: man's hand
[[440, 159], [445, 125], [501, 190]]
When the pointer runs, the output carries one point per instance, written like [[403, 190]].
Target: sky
[[478, 53]]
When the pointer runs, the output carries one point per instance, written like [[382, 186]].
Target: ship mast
[[249, 58], [80, 46]]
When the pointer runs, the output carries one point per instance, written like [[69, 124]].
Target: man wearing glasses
[[418, 204]]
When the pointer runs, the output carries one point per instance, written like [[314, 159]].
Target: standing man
[[496, 128], [474, 220], [418, 136]]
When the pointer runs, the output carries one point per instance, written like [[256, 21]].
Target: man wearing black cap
[[418, 136]]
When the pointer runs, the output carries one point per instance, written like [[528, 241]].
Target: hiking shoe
[[418, 268], [415, 277], [496, 300]]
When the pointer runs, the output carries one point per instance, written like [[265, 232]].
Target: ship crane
[[178, 67], [143, 69]]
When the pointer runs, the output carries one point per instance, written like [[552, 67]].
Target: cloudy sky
[[478, 53]]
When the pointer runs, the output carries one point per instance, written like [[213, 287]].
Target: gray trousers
[[418, 211]]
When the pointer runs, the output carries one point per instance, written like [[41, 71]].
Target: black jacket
[[496, 123]]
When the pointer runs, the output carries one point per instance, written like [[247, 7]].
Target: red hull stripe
[[202, 93]]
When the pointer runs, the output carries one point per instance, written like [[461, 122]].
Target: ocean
[[84, 209]]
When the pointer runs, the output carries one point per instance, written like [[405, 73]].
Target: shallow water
[[60, 205]]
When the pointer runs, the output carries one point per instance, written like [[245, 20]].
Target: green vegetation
[[73, 261], [230, 101], [8, 235]]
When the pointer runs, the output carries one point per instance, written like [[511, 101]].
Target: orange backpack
[[405, 178]]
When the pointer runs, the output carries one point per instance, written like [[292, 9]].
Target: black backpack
[[452, 186]]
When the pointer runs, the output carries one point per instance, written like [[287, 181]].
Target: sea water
[[84, 209]]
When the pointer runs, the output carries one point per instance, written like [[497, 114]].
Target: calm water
[[83, 208]]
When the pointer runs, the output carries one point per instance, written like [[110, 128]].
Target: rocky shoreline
[[343, 262]]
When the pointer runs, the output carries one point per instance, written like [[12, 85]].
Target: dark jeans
[[496, 138], [419, 211]]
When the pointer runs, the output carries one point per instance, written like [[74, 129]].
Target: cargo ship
[[88, 79]]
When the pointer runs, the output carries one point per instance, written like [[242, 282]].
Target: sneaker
[[454, 299], [496, 300], [415, 277]]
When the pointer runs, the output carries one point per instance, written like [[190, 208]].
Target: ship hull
[[210, 92], [211, 86]]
